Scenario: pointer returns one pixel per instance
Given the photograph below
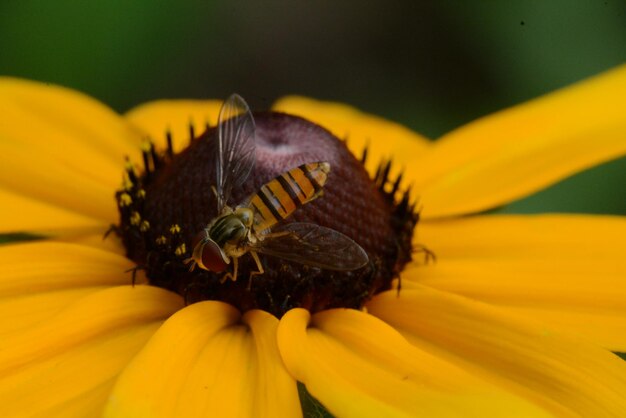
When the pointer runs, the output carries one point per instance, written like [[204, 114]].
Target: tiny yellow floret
[[129, 166], [180, 250], [127, 184], [135, 218], [146, 145], [125, 200]]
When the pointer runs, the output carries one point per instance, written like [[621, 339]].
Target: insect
[[255, 225]]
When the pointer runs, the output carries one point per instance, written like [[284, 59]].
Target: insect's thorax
[[232, 227]]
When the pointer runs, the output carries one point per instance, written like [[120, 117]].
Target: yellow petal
[[69, 362], [33, 267], [521, 150], [208, 361], [64, 122], [20, 213], [522, 236], [25, 311], [385, 139], [62, 147], [111, 242], [527, 357], [36, 176], [158, 117], [276, 392], [564, 270], [357, 366]]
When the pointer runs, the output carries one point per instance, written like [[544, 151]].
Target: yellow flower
[[516, 318]]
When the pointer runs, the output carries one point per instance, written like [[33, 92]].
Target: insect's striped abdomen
[[280, 197]]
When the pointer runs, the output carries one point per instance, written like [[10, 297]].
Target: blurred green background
[[432, 65]]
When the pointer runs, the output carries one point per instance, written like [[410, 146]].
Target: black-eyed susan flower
[[518, 316]]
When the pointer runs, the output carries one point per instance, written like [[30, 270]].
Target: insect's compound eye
[[213, 258], [199, 239], [207, 253]]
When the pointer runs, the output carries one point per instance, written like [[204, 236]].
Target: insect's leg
[[133, 271], [233, 275], [112, 228], [283, 306], [235, 268], [259, 265], [134, 275], [191, 261], [429, 255]]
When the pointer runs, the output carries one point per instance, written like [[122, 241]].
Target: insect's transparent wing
[[314, 245], [235, 147]]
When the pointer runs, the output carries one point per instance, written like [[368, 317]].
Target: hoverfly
[[254, 226]]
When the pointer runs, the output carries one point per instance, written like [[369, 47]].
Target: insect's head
[[207, 254]]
